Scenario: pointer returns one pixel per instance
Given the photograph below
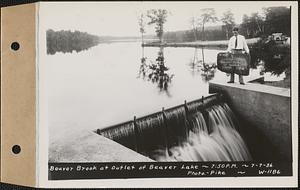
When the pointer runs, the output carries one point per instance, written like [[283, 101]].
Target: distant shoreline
[[196, 44]]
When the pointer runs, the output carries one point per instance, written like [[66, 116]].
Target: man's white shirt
[[241, 43]]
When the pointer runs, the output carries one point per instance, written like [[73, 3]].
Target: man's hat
[[235, 29]]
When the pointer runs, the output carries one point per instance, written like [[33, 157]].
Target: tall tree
[[257, 21], [253, 25], [158, 17], [277, 19], [245, 26], [207, 15], [141, 21], [228, 21], [193, 22]]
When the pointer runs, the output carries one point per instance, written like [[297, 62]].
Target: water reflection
[[156, 71], [68, 42], [143, 68], [102, 71], [198, 66]]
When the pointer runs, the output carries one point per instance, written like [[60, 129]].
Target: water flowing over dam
[[201, 130]]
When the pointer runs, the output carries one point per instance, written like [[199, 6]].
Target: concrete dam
[[229, 125], [234, 123]]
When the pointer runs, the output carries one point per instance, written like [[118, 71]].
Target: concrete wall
[[266, 111], [87, 146]]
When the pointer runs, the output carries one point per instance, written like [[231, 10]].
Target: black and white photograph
[[174, 87]]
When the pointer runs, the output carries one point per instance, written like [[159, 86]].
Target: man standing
[[237, 43]]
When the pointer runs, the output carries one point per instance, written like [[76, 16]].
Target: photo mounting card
[[130, 94]]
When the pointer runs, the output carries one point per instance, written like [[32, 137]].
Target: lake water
[[104, 85]]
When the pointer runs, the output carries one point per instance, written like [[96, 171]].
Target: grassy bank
[[217, 44]]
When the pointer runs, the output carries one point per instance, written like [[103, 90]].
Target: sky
[[120, 18]]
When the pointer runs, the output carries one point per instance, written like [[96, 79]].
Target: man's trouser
[[241, 80]]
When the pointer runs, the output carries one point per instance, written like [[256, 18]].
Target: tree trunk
[[195, 34], [162, 33], [194, 60], [259, 28], [161, 49], [195, 31], [203, 58], [248, 32], [227, 34], [203, 38]]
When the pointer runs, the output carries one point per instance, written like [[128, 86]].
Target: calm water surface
[[105, 84]]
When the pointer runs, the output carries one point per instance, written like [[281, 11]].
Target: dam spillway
[[202, 130]]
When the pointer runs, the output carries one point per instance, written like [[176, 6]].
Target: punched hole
[[16, 149], [15, 46]]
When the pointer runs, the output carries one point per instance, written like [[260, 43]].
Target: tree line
[[271, 20], [67, 41]]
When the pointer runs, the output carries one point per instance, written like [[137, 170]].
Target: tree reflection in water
[[156, 71], [199, 66], [143, 68]]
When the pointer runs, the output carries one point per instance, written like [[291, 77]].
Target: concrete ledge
[[266, 108], [86, 146], [255, 87]]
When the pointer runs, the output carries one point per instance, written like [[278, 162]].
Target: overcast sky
[[120, 18]]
